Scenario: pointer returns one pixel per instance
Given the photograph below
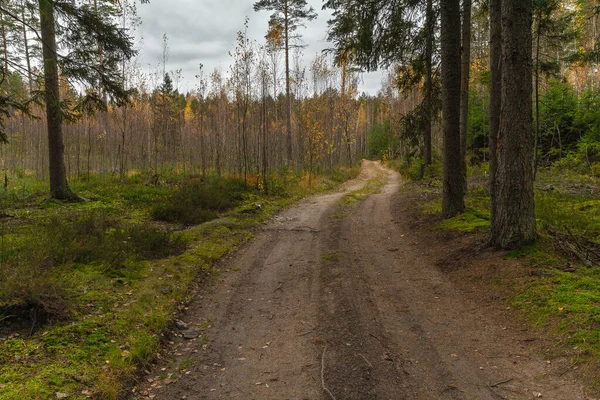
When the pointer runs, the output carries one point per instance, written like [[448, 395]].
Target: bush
[[199, 199], [379, 141], [33, 277], [98, 238], [29, 286]]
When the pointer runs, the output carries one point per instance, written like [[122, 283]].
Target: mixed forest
[[107, 168]]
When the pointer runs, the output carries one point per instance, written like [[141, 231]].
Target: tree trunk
[[288, 110], [464, 86], [59, 188], [428, 85], [27, 55], [453, 195], [515, 220], [4, 44], [538, 34], [495, 99]]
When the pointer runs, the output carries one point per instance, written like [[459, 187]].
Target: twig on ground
[[373, 336], [496, 393], [567, 370], [579, 249], [7, 317], [278, 287], [306, 333], [365, 358], [502, 382], [323, 375]]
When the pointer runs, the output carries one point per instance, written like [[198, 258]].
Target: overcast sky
[[204, 31]]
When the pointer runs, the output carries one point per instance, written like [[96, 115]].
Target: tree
[[428, 83], [514, 224], [553, 29], [464, 85], [59, 188], [453, 193], [241, 82], [84, 30], [495, 99], [290, 15], [380, 33]]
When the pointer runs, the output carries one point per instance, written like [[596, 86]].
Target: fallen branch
[[501, 382], [323, 375], [574, 245], [7, 317], [496, 393]]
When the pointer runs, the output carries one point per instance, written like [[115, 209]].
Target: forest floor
[[353, 295]]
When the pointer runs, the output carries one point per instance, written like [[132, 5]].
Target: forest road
[[334, 301]]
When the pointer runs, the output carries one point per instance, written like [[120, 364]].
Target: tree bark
[[495, 100], [453, 195], [27, 55], [4, 45], [288, 97], [428, 84], [464, 86], [59, 188], [538, 35], [515, 223]]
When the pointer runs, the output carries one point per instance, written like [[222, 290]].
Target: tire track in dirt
[[363, 289]]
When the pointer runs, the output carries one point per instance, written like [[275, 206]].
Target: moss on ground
[[563, 296], [111, 325]]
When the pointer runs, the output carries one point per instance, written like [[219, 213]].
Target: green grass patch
[[469, 221], [107, 279], [330, 257], [565, 304], [570, 302], [371, 186]]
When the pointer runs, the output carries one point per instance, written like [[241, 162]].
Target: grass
[[563, 296], [330, 257], [107, 278], [371, 186], [569, 303], [476, 216]]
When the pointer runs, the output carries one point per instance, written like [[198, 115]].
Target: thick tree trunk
[[464, 86], [495, 99], [515, 219], [428, 84], [59, 188], [453, 195]]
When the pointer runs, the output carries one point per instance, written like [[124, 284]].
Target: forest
[[122, 193]]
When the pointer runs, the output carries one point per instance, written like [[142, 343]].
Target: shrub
[[30, 287], [96, 237], [32, 279], [199, 199]]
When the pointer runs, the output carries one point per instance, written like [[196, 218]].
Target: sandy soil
[[364, 306]]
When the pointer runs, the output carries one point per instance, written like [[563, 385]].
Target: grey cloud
[[205, 32]]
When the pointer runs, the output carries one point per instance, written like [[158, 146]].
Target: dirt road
[[342, 302]]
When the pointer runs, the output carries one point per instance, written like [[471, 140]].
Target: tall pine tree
[[289, 14], [84, 29], [513, 222]]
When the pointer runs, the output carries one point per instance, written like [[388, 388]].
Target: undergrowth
[[563, 295], [87, 289]]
